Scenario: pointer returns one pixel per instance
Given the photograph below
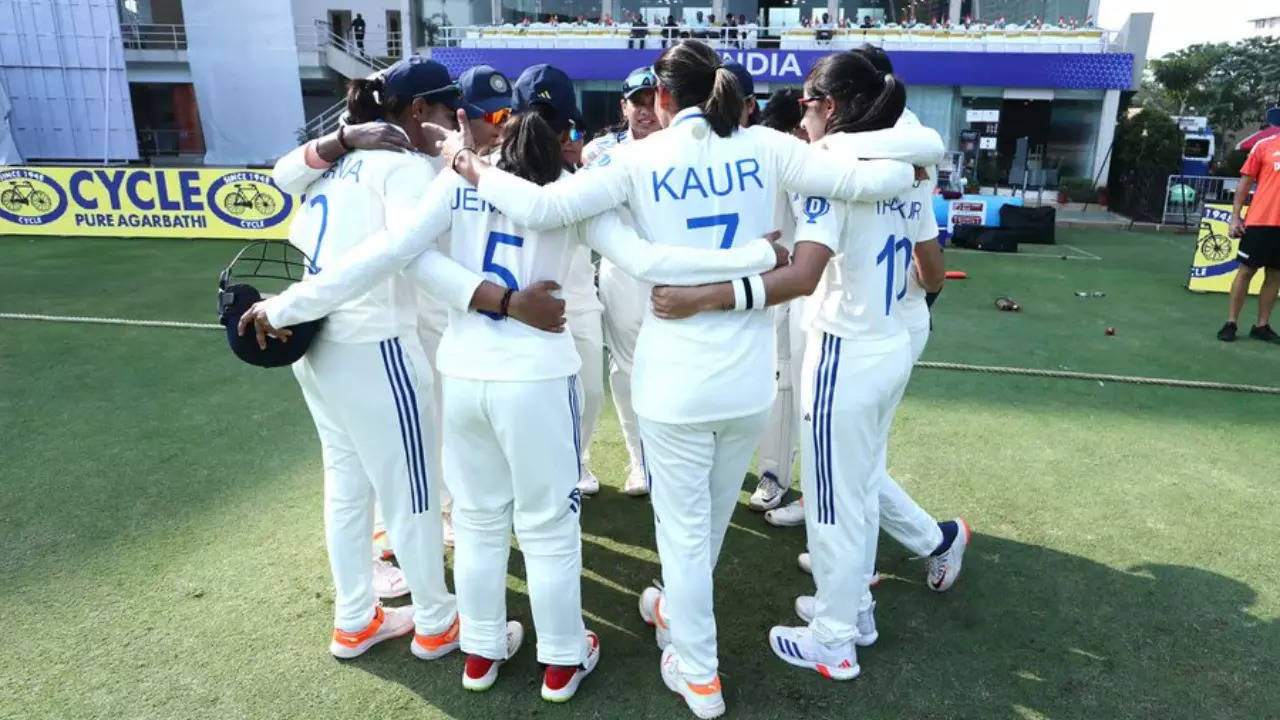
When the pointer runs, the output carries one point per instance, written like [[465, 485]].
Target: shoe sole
[[479, 685], [764, 507], [345, 652], [436, 654], [774, 522]]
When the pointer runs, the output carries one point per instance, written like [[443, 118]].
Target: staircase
[[326, 121], [342, 56]]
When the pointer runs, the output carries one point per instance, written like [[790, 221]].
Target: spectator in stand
[[1259, 235], [357, 29], [825, 33], [731, 31], [639, 30], [747, 30], [867, 22], [699, 25], [669, 32]]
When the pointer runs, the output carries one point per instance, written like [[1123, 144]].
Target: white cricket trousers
[[588, 337], [695, 472], [371, 406], [780, 442], [626, 301], [900, 515], [511, 455], [849, 396]]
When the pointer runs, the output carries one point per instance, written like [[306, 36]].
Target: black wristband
[[506, 300], [342, 142], [454, 164]]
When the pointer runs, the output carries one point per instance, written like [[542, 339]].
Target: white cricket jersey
[[486, 243], [869, 274], [362, 194], [688, 187]]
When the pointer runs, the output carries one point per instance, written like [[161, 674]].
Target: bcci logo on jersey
[[814, 208], [248, 200], [28, 197]]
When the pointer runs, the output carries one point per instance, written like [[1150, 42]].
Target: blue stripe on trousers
[[400, 415], [575, 413], [820, 418], [415, 434], [830, 405]]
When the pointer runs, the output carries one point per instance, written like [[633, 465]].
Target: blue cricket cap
[[417, 76], [484, 90], [745, 82], [547, 85], [639, 79]]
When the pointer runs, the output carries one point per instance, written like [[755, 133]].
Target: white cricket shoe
[[388, 581], [789, 515], [654, 615], [446, 529], [704, 699], [866, 622], [768, 493], [480, 673], [560, 683], [434, 647], [943, 570], [386, 624], [588, 484], [798, 647], [637, 484], [805, 561]]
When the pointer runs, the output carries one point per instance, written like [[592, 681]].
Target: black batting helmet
[[263, 260]]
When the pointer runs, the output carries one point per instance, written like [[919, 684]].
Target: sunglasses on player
[[575, 135], [807, 101], [497, 117]]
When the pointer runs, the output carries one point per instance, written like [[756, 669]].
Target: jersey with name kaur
[[365, 192], [687, 186], [867, 278]]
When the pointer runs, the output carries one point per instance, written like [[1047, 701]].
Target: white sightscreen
[[244, 65], [63, 66]]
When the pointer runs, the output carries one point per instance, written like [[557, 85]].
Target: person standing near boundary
[[1259, 235]]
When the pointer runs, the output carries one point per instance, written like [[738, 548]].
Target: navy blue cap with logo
[[745, 82], [484, 90], [546, 85], [419, 77], [641, 78]]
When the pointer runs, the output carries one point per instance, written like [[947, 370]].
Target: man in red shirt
[[1259, 239]]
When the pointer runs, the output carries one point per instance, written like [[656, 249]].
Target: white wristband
[[756, 294], [739, 294]]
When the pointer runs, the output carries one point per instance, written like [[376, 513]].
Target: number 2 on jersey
[[888, 256], [503, 273], [728, 220], [323, 202]]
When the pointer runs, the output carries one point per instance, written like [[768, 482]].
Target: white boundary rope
[[928, 365]]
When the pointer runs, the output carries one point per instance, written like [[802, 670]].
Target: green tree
[[1232, 85], [1183, 74], [1148, 149]]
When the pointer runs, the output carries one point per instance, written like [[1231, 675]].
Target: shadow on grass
[[1027, 630]]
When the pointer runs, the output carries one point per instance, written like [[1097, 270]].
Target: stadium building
[[1028, 88]]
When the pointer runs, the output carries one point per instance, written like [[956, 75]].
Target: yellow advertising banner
[[143, 202], [1214, 266]]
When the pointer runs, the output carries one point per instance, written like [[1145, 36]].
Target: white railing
[[151, 36], [326, 121], [320, 35], [976, 38]]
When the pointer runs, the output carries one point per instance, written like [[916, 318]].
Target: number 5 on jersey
[[489, 266]]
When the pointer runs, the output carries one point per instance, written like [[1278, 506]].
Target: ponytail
[[865, 98], [364, 100], [531, 146], [694, 74], [367, 101], [723, 108]]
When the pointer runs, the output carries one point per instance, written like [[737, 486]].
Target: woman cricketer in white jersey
[[703, 387], [625, 298], [366, 380], [855, 259], [511, 395]]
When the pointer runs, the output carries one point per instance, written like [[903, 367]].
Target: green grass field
[[161, 553]]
